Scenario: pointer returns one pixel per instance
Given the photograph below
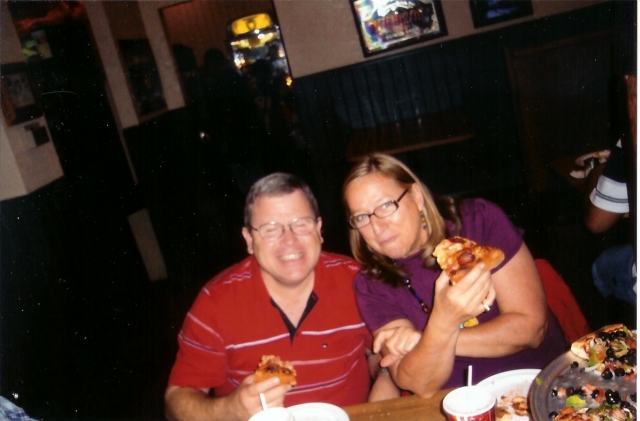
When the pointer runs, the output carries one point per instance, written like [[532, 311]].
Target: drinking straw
[[263, 401], [469, 383]]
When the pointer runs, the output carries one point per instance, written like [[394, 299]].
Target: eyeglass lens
[[274, 230], [382, 211]]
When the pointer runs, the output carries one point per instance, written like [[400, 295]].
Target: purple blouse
[[484, 223]]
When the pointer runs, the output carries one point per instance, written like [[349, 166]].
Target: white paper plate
[[318, 412], [601, 155], [512, 383]]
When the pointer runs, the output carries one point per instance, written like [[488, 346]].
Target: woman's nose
[[377, 224]]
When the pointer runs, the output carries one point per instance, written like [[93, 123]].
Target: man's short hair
[[277, 184]]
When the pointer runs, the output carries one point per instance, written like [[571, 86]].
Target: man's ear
[[319, 228], [248, 238]]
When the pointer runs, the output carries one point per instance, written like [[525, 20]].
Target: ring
[[487, 308]]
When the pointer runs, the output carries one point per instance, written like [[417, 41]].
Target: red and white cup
[[470, 403]]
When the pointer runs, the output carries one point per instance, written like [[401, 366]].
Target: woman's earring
[[425, 226]]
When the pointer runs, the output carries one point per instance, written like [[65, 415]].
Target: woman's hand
[[397, 342], [464, 300]]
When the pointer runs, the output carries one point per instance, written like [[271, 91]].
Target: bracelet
[[383, 370]]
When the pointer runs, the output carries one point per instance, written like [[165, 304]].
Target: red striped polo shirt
[[233, 323]]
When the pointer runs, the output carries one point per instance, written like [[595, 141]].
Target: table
[[409, 408]]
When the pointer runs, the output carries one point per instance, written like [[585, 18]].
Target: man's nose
[[288, 234]]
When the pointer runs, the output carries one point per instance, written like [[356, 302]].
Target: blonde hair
[[380, 267]]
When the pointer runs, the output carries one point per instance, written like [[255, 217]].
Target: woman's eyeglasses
[[382, 211]]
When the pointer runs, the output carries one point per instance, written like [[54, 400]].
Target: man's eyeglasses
[[273, 230], [382, 211]]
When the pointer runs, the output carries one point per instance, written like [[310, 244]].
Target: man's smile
[[292, 256]]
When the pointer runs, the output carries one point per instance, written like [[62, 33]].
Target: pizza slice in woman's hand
[[458, 255]]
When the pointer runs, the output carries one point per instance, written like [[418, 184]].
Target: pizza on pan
[[610, 351], [608, 393]]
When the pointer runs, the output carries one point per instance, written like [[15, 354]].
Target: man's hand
[[246, 398], [191, 404]]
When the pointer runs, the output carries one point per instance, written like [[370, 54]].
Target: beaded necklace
[[407, 283], [413, 292]]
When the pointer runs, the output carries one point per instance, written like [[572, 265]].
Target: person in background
[[614, 271], [415, 314], [232, 119], [289, 299], [11, 412]]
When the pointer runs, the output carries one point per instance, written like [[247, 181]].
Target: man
[[288, 299], [614, 271]]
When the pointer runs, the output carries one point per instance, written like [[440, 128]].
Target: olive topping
[[619, 372], [620, 334], [633, 397], [595, 393], [554, 393], [570, 391], [574, 364], [612, 399], [553, 414], [611, 353], [627, 406], [607, 374]]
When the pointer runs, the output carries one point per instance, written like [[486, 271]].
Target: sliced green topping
[[575, 401], [594, 358]]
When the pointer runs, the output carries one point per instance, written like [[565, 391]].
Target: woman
[[416, 315]]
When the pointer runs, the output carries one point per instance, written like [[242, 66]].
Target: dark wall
[[468, 74]]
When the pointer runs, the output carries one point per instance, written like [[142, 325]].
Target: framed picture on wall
[[489, 12], [387, 24], [18, 101], [143, 75]]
